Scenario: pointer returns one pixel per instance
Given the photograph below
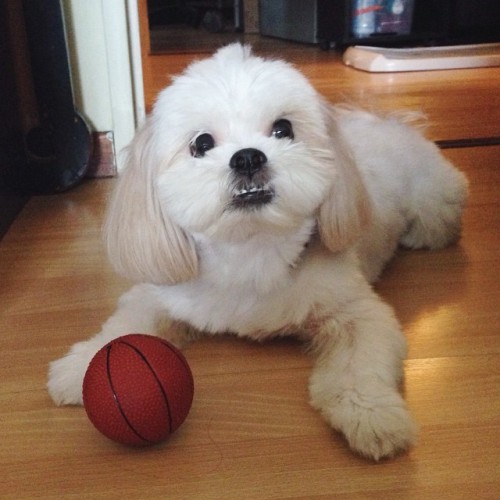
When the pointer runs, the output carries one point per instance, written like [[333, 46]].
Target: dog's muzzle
[[251, 186]]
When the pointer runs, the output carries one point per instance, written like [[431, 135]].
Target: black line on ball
[[160, 385], [179, 357], [174, 350], [117, 399]]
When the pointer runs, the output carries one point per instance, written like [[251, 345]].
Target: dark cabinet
[[433, 22]]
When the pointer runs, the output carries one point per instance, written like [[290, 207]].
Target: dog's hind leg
[[437, 194]]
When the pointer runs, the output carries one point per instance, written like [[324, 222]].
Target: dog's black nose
[[247, 161]]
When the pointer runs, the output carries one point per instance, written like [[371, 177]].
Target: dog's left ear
[[346, 211]]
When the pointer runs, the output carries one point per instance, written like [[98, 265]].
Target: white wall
[[103, 42]]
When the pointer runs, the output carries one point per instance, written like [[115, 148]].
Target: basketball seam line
[[162, 389], [117, 399]]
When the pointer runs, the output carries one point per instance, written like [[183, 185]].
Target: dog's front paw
[[375, 427], [66, 374], [377, 430]]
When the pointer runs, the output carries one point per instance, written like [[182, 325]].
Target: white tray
[[379, 59]]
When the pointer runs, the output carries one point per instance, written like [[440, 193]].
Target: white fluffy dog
[[251, 206]]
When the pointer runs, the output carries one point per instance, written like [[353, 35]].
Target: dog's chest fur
[[268, 283]]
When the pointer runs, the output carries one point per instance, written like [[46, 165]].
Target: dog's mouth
[[252, 196]]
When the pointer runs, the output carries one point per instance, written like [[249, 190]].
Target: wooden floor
[[251, 433]]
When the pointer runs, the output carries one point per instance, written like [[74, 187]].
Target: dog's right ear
[[143, 243]]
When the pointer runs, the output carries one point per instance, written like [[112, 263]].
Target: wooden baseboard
[[103, 160]]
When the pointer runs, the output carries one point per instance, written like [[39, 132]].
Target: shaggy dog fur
[[251, 206]]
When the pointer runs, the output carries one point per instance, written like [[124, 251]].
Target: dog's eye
[[282, 128], [201, 145]]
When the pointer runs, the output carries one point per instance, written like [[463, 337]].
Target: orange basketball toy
[[138, 389]]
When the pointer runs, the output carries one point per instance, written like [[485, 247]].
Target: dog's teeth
[[253, 189]]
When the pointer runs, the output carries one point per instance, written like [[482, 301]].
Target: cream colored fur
[[347, 188]]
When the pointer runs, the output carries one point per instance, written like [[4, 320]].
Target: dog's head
[[236, 146]]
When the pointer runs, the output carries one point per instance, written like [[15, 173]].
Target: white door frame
[[105, 59]]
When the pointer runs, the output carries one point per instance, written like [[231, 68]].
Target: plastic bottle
[[363, 17]]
